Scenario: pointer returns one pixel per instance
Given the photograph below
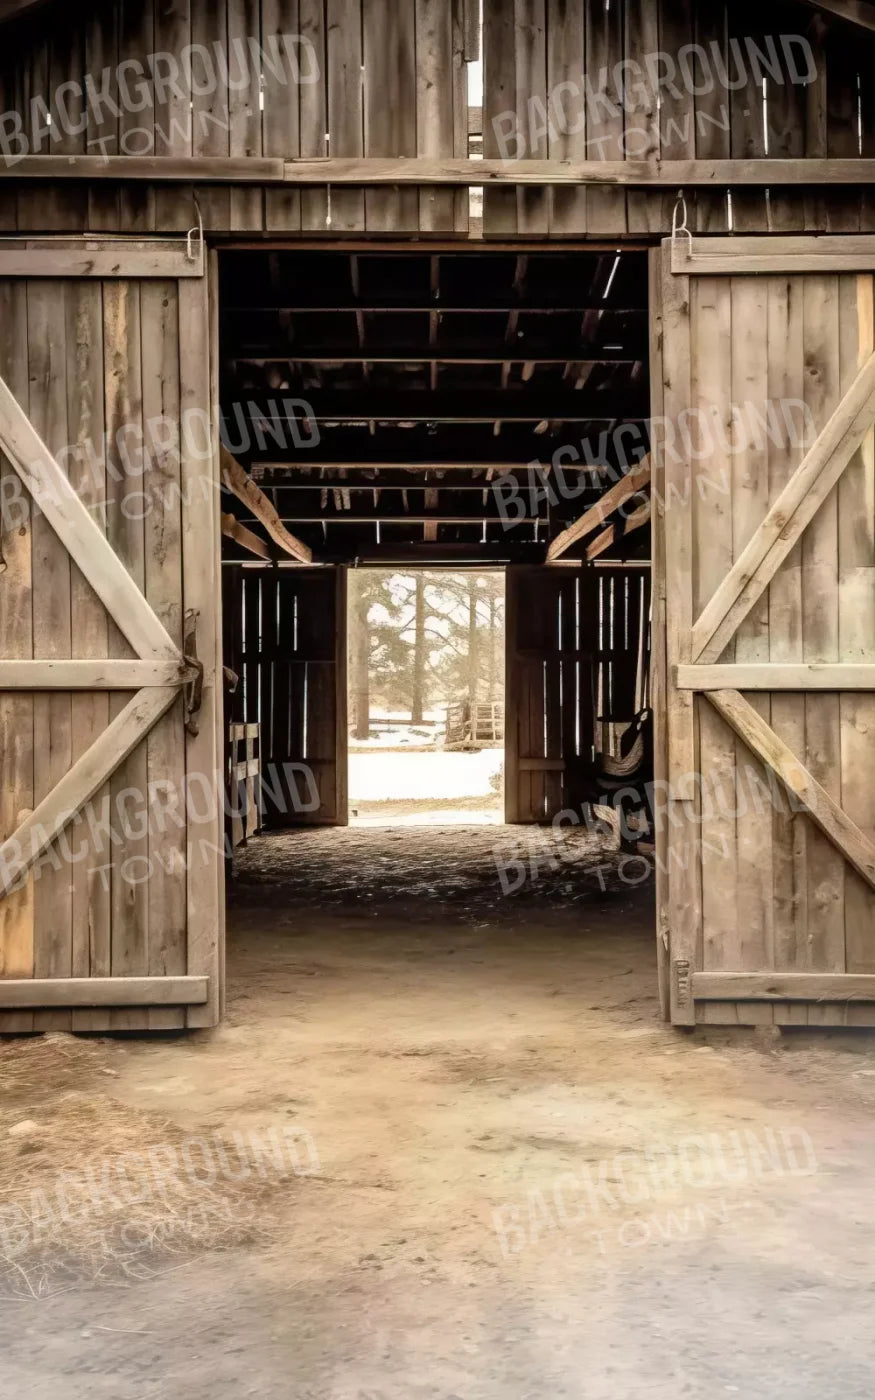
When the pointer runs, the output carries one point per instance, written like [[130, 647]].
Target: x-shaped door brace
[[159, 673], [808, 488]]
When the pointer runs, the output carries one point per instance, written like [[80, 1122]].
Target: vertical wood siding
[[392, 80]]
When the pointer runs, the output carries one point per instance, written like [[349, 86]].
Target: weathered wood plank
[[389, 61], [345, 84], [165, 811], [414, 170], [88, 257], [98, 674], [52, 716], [712, 331], [800, 675], [39, 992], [783, 986], [786, 354], [16, 641], [204, 747], [856, 641], [792, 253], [281, 118]]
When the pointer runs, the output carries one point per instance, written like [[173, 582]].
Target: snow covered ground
[[380, 777]]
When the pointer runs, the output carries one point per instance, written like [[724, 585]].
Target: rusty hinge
[[193, 690]]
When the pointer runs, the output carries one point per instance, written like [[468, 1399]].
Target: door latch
[[193, 690]]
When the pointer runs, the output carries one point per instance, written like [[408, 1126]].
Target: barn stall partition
[[762, 605]]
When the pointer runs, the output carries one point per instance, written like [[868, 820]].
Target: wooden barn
[[580, 290]]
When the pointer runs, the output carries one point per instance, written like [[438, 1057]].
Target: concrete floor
[[527, 1185]]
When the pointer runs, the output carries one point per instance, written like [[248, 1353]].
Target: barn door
[[290, 651], [549, 696], [767, 487], [110, 862]]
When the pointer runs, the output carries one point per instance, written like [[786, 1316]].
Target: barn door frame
[[687, 648], [161, 671]]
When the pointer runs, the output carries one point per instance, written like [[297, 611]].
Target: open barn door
[[549, 714], [287, 642], [766, 479], [578, 642], [111, 910]]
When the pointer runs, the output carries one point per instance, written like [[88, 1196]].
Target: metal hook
[[680, 227], [196, 229]]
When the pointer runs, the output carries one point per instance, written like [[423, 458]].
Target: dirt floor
[[442, 1149]]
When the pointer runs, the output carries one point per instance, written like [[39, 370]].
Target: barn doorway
[[426, 697], [415, 418]]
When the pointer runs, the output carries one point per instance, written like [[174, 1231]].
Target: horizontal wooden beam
[[449, 552], [90, 675], [405, 304], [403, 517], [103, 991], [430, 354], [427, 170], [101, 257], [765, 676], [244, 488], [295, 493], [234, 529], [614, 497], [522, 405], [258, 470], [789, 253], [783, 986]]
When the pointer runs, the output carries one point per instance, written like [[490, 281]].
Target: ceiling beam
[[478, 305], [451, 553], [384, 517], [621, 403], [420, 354], [258, 470], [244, 488]]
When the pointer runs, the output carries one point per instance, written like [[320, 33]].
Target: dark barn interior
[[440, 409]]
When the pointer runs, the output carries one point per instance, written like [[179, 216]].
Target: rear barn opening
[[426, 697], [397, 425]]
